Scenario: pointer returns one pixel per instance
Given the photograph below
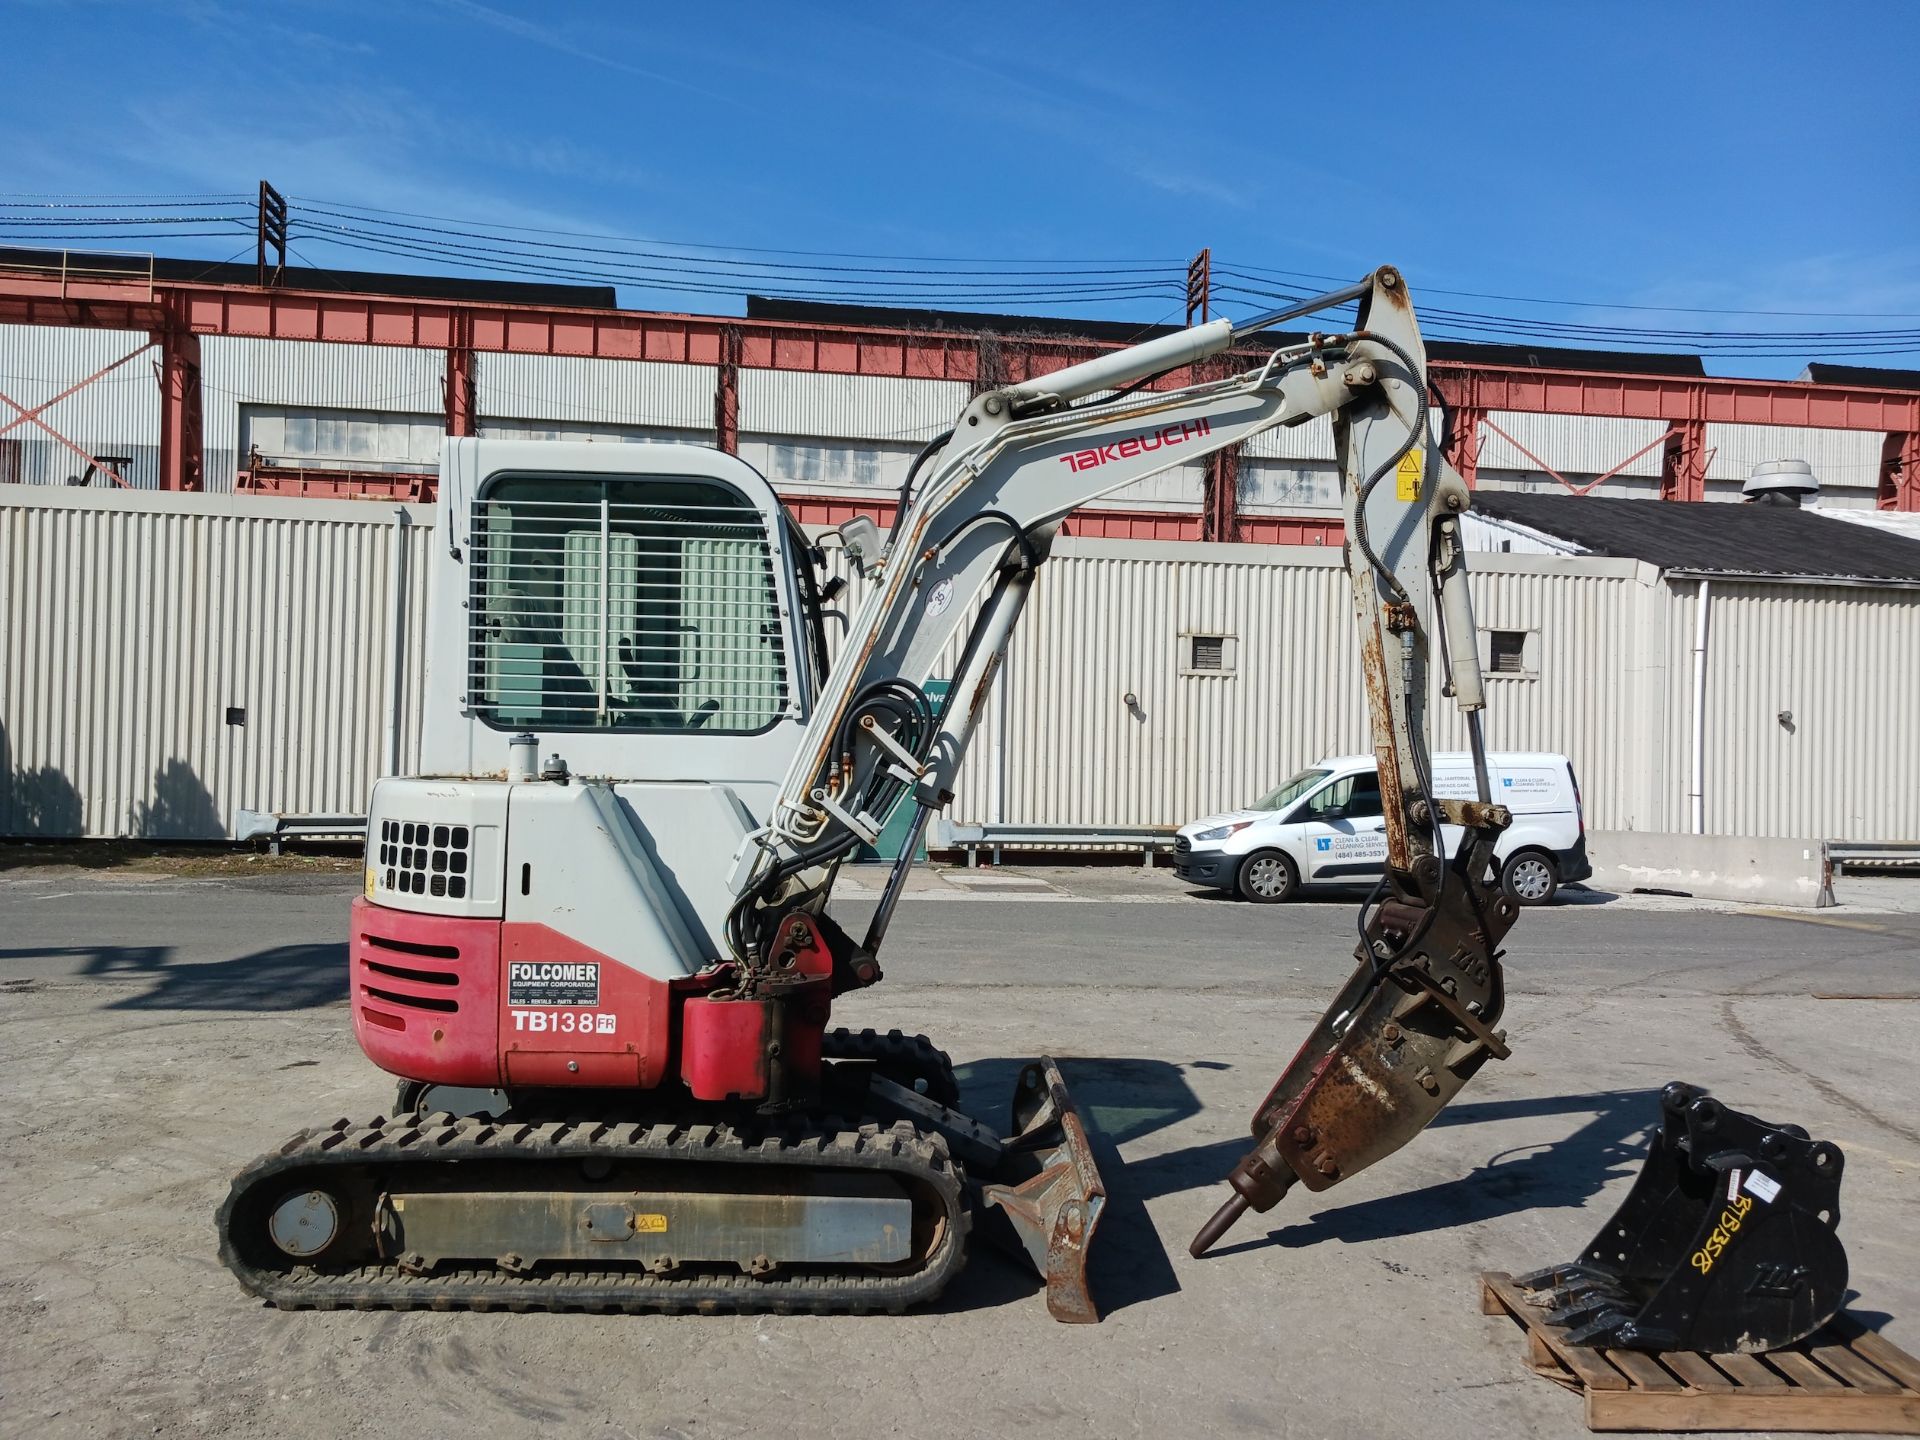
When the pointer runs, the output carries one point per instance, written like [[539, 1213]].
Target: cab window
[[623, 603]]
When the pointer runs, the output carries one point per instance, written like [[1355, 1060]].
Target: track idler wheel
[[1728, 1242]]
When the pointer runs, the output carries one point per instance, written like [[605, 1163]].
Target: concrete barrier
[[1764, 870]]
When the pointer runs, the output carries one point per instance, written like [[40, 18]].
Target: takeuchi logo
[[1139, 444]]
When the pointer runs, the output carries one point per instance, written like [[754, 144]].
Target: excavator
[[595, 943], [605, 977]]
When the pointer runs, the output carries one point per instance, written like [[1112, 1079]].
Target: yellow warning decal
[[370, 878], [1407, 477], [649, 1224]]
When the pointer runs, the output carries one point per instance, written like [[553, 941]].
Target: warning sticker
[[553, 983], [650, 1224], [1407, 477], [1762, 1187]]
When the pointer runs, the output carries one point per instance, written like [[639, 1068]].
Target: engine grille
[[1182, 845], [417, 858]]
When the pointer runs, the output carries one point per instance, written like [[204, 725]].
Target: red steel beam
[[176, 315], [844, 349], [1676, 398]]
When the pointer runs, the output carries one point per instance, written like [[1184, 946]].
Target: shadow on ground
[[1119, 1100], [283, 977], [1559, 1174]]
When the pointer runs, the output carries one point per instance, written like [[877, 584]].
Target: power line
[[700, 269], [1608, 304], [310, 201]]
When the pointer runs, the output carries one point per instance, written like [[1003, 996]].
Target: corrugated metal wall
[[237, 372], [646, 393], [118, 414], [132, 623], [1107, 619], [1595, 673], [863, 407], [1841, 459], [1843, 664], [1571, 444]]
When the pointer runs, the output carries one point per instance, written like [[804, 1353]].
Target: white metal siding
[[131, 624], [1106, 619], [863, 407], [1841, 459], [325, 437], [646, 393], [1311, 441], [235, 372], [1575, 445], [118, 414], [1844, 661], [834, 467], [1269, 485], [1596, 679]]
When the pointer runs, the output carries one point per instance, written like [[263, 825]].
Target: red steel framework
[[177, 314]]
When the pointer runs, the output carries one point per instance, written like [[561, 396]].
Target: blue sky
[[1758, 156]]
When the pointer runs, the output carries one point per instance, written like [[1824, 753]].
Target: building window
[[1510, 653], [1210, 654], [623, 603]]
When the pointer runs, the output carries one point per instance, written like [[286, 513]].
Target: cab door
[[1346, 831]]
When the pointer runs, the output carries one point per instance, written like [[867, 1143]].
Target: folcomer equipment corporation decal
[[553, 983]]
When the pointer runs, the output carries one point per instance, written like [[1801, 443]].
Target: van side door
[[1346, 831]]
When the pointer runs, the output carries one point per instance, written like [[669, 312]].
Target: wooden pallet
[[1844, 1380]]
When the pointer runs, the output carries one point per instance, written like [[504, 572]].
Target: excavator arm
[[978, 517]]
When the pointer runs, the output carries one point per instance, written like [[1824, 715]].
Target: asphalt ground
[[160, 1030]]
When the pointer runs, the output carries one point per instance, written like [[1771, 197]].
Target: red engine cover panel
[[723, 1048], [570, 1015], [425, 994]]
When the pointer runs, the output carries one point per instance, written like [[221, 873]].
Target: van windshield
[[1282, 796]]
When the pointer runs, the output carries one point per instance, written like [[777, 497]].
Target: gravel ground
[[163, 1027]]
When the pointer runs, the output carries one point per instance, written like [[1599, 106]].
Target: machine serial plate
[[553, 983]]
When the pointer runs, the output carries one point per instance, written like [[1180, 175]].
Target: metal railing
[[69, 267]]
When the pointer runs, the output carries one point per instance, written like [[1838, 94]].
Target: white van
[[1325, 827]]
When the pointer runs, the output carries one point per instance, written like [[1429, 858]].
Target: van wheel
[[1267, 877], [1530, 877]]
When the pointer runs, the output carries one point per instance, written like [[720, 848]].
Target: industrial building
[[212, 559]]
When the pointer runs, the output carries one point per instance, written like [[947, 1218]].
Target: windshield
[[1284, 795]]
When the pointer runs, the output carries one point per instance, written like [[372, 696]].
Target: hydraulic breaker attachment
[[1409, 1028], [1726, 1244], [1050, 1190]]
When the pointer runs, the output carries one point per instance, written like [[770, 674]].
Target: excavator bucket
[[1727, 1242], [1050, 1189]]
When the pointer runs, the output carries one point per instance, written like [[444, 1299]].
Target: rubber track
[[443, 1139], [914, 1053]]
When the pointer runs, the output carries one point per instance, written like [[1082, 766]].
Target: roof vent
[[1780, 482]]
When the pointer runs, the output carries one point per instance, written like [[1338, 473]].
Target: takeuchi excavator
[[595, 942]]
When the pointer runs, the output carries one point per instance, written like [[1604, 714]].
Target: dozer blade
[[1727, 1242], [1050, 1190]]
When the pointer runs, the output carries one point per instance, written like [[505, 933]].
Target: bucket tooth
[[1050, 1189]]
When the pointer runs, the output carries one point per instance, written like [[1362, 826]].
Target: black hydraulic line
[[927, 452], [896, 881], [1308, 306], [1415, 433], [1029, 557]]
